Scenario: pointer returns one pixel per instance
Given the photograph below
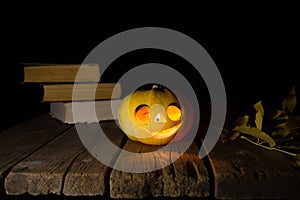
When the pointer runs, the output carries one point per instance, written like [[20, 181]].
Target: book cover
[[105, 110], [84, 92], [52, 73]]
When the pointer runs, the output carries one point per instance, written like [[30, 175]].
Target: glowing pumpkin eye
[[142, 113], [174, 113]]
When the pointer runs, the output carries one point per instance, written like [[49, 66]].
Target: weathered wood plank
[[187, 176], [18, 142], [136, 185], [43, 171], [88, 176], [243, 170]]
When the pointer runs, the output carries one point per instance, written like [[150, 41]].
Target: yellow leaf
[[281, 132], [259, 114], [229, 135], [242, 121], [281, 126], [289, 104], [283, 129], [259, 107], [272, 113], [256, 133]]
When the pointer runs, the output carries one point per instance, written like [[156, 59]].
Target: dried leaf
[[259, 114], [256, 133], [283, 129], [258, 120], [259, 107], [242, 121], [289, 104], [229, 135], [272, 113], [235, 135], [281, 132], [281, 126], [282, 117]]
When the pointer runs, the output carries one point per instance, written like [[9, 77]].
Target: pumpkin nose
[[158, 113], [160, 118]]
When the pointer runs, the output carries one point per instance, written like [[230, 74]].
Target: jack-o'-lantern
[[150, 116]]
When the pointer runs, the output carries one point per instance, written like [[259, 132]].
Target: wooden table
[[42, 156]]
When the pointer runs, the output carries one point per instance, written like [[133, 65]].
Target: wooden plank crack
[[66, 172]]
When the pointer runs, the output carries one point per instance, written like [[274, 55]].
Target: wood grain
[[43, 171], [88, 176], [243, 170], [187, 176], [136, 185], [18, 142]]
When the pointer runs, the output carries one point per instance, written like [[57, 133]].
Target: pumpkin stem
[[155, 86]]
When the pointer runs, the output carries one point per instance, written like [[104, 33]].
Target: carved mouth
[[158, 135], [167, 132]]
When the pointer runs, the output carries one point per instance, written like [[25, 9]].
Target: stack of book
[[58, 81]]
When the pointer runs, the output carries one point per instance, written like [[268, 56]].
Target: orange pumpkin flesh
[[143, 113], [150, 116]]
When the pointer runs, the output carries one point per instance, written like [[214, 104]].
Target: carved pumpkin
[[150, 116]]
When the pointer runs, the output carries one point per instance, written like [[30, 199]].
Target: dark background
[[256, 49]]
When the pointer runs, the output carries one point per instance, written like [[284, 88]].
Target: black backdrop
[[256, 50]]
